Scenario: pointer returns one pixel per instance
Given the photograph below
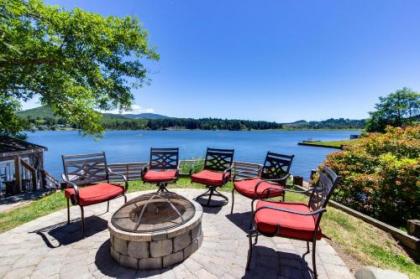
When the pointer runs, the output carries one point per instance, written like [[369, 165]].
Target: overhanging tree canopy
[[76, 61]]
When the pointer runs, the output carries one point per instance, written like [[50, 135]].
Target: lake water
[[134, 146]]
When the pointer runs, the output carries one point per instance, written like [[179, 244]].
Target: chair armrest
[[228, 170], [244, 178], [144, 170], [316, 212], [298, 191], [72, 185], [120, 175], [283, 178], [178, 168], [275, 185]]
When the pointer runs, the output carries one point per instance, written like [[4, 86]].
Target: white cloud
[[32, 103], [139, 109], [135, 109]]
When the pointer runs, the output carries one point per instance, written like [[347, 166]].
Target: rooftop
[[12, 146]]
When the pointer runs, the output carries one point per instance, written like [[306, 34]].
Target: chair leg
[[233, 200], [83, 220], [125, 198], [162, 187], [68, 211], [313, 259], [307, 250], [256, 239], [210, 195], [203, 194], [107, 206], [212, 191], [252, 212], [249, 251]]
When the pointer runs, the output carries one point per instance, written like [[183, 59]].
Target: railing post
[[32, 171], [18, 178], [127, 169]]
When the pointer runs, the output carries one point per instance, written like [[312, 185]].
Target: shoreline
[[224, 130]]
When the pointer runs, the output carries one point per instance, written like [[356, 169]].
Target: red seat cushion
[[208, 177], [290, 225], [267, 190], [96, 193], [159, 175]]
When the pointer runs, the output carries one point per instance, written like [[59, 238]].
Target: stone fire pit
[[155, 231]]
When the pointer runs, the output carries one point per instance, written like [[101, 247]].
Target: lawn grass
[[56, 201], [363, 242]]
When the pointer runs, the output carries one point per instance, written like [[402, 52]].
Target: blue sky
[[272, 60]]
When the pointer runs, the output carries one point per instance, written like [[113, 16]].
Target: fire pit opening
[[153, 212], [155, 230]]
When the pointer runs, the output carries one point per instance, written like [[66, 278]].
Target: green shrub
[[381, 175], [193, 166]]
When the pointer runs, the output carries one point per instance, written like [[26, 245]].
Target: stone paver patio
[[49, 248]]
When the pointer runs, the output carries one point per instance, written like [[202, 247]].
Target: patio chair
[[216, 173], [295, 220], [269, 181], [163, 167], [92, 172]]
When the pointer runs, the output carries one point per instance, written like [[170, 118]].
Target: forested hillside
[[340, 123], [42, 118]]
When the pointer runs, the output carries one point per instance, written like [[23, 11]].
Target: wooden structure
[[21, 166]]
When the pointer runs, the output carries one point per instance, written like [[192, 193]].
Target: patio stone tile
[[327, 259], [26, 261], [182, 272], [49, 248], [192, 265], [336, 271], [8, 261], [204, 274], [45, 272], [19, 273], [4, 269]]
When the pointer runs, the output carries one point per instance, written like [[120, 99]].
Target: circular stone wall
[[158, 249]]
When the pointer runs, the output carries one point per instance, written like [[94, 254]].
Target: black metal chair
[[90, 171], [163, 167], [295, 220], [216, 173], [264, 182]]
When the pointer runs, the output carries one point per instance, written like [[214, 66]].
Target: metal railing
[[132, 170]]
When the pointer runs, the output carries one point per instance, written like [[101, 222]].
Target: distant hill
[[145, 116], [42, 118], [332, 123], [41, 112], [45, 112]]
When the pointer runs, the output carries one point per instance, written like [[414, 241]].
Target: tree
[[77, 62], [10, 123], [398, 109]]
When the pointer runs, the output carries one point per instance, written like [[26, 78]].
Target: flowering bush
[[381, 174]]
